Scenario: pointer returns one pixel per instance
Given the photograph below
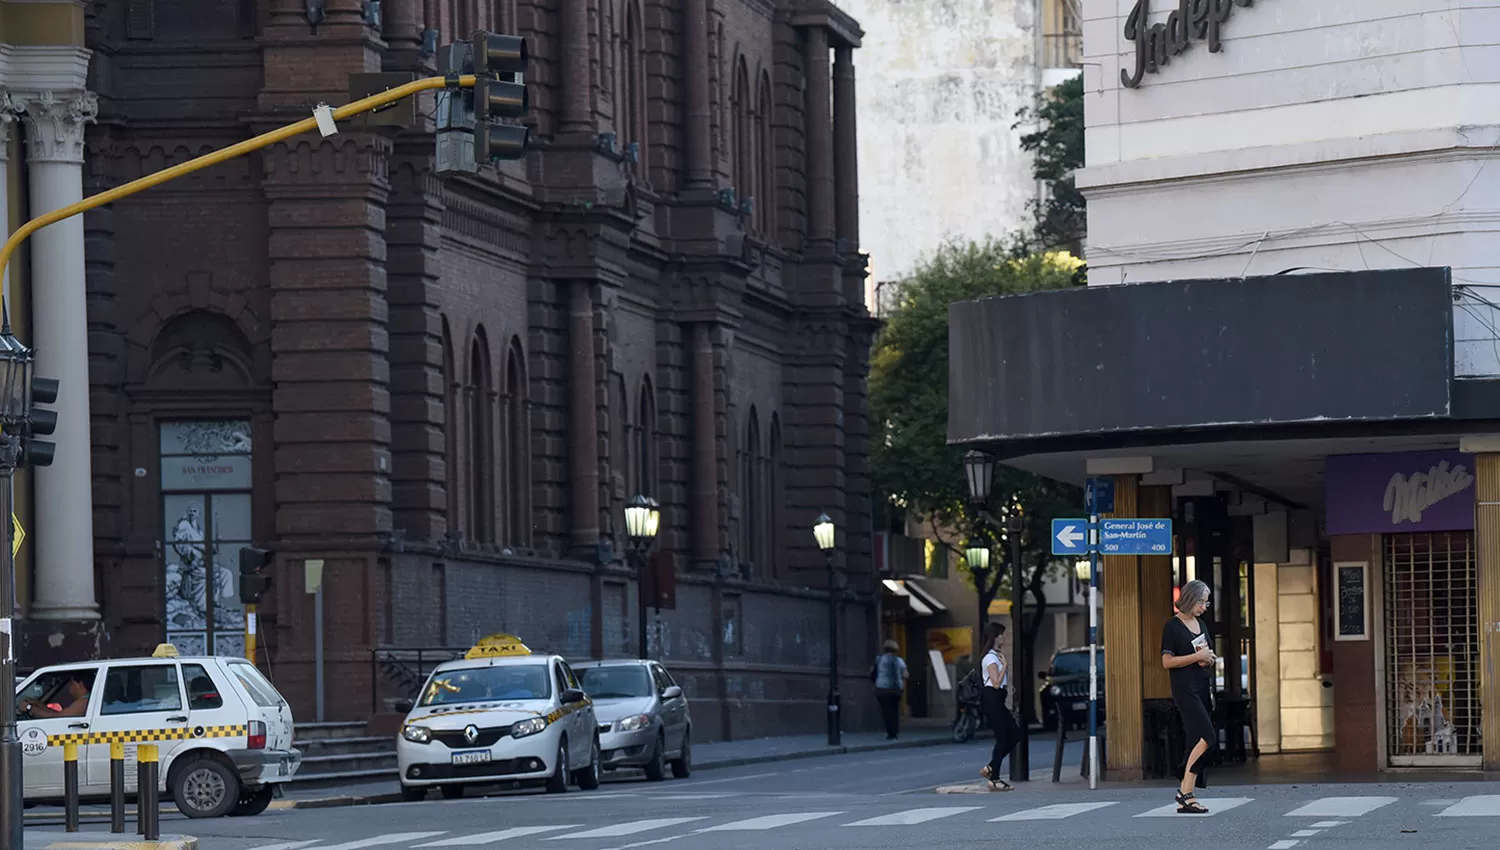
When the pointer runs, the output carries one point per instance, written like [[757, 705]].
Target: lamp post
[[823, 534], [15, 383], [642, 520]]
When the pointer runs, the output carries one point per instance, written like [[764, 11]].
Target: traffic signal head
[[498, 54], [499, 99], [40, 421], [255, 579], [466, 136]]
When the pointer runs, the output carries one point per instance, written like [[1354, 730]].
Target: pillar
[[577, 84], [64, 559], [846, 148], [705, 486], [1121, 589], [1487, 543], [699, 156], [1156, 599], [819, 123], [582, 413]]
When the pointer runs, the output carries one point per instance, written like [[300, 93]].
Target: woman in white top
[[992, 702]]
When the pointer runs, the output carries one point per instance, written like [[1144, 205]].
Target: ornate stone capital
[[9, 106], [55, 124]]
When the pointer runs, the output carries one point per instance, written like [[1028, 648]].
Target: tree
[[1057, 145], [914, 470]]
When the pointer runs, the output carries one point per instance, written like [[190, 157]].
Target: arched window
[[765, 190], [632, 91], [645, 439], [517, 450], [750, 492], [774, 499], [480, 462], [450, 430], [743, 163]]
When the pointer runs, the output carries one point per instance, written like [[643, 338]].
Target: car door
[[674, 711], [41, 749], [141, 703], [580, 726]]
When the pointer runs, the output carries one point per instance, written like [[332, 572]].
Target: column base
[[58, 641]]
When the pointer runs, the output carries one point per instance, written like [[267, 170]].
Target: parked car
[[643, 715], [224, 733], [1065, 688]]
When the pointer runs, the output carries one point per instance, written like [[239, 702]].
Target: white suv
[[224, 733]]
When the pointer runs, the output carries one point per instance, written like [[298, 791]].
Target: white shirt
[[993, 657]]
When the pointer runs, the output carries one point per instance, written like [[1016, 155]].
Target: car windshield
[[1074, 664], [511, 682], [615, 682]]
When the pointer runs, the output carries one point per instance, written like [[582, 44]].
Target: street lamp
[[823, 534], [642, 520], [979, 469], [977, 556], [16, 362]]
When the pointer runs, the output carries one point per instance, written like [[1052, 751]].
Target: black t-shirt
[[1179, 641]]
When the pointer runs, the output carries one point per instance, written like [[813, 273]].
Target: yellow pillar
[[1121, 588], [1156, 599], [1487, 543]]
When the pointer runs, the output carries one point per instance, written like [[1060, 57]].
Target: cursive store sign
[[1402, 492], [1156, 44]]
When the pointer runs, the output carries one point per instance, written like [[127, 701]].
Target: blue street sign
[[1102, 491], [1070, 536], [1135, 537]]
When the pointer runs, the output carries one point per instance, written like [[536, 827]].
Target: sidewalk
[[60, 840]]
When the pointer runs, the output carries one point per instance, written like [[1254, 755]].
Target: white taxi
[[224, 733], [501, 714]]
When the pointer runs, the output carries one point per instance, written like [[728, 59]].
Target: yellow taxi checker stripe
[[131, 736]]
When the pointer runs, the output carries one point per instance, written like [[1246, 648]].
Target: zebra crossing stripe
[[1485, 806], [1215, 805], [381, 840], [1054, 812], [914, 816], [495, 837], [769, 822], [1340, 807], [628, 828]]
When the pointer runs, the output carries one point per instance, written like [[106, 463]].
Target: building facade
[[431, 398], [1299, 369]]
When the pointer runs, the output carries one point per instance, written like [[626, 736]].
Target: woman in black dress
[[1186, 653], [996, 677]]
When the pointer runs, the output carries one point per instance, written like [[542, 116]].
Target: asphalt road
[[882, 800]]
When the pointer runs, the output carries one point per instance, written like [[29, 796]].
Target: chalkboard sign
[[1351, 601]]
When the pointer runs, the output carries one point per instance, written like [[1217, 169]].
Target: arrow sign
[[20, 535], [1068, 536]]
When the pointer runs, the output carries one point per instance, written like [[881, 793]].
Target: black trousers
[[1197, 725], [890, 711], [992, 703]]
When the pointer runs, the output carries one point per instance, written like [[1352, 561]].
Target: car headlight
[[1056, 691], [529, 726], [417, 734], [634, 723]]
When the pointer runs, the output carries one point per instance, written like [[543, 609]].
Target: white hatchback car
[[499, 715], [224, 733]]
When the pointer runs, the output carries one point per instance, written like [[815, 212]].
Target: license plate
[[471, 757]]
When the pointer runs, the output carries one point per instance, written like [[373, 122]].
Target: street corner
[[74, 842], [967, 788], [337, 801]]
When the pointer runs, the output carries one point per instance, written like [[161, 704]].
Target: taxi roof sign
[[497, 646], [165, 650]]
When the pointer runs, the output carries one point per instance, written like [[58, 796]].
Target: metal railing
[[397, 672]]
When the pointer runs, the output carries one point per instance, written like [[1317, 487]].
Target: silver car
[[643, 717]]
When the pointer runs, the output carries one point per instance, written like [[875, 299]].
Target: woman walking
[[1186, 653], [992, 703]]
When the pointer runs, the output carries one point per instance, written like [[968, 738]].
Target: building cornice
[[57, 68]]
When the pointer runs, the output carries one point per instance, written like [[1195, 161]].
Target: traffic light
[[40, 421], [255, 578], [467, 135]]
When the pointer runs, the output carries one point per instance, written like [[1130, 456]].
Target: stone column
[[577, 105], [705, 466], [846, 147], [64, 559], [700, 167], [584, 416], [819, 124]]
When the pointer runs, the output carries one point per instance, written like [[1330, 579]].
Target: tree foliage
[[1057, 148]]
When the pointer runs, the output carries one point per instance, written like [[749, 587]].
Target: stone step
[[348, 777], [347, 763], [330, 729], [345, 746]]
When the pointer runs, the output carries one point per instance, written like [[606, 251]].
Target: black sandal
[[1188, 805]]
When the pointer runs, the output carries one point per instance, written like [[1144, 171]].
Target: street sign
[[1102, 491], [1070, 536], [1135, 536], [20, 535]]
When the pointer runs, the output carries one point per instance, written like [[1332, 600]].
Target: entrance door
[[1432, 650], [205, 480]]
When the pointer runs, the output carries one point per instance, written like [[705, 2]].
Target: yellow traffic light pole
[[358, 107]]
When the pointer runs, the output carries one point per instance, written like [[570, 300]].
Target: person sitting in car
[[76, 690]]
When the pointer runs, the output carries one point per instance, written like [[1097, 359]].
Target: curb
[[342, 800], [166, 842]]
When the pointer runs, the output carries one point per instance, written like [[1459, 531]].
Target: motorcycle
[[969, 718]]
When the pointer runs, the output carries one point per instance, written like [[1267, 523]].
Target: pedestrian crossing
[[1310, 818]]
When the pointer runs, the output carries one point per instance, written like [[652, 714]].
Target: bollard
[[146, 791], [70, 787], [117, 787], [1057, 757]]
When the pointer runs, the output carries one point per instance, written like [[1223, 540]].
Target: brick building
[[446, 390]]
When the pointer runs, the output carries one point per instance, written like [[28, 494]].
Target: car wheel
[[558, 782], [254, 803], [963, 728], [682, 766], [205, 788], [588, 777], [656, 768], [413, 793], [452, 792]]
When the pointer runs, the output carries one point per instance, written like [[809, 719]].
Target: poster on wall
[[1351, 600], [952, 643], [1399, 493]]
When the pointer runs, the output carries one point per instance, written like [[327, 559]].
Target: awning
[[921, 602]]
